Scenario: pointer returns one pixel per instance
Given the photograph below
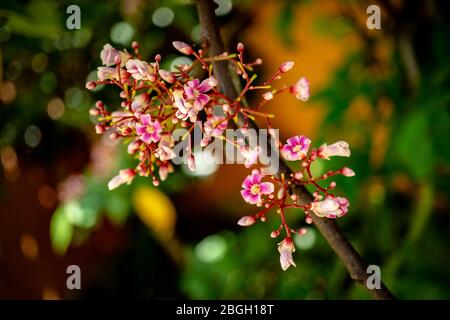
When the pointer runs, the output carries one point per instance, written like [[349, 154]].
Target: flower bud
[[346, 171], [286, 66], [246, 221], [240, 47], [167, 76], [268, 95], [135, 45], [183, 47], [91, 85], [99, 129]]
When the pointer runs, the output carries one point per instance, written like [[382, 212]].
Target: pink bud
[[274, 234], [302, 231], [183, 47], [99, 104], [99, 129], [135, 45], [268, 95], [94, 112], [246, 221], [91, 85], [332, 184], [346, 171], [308, 219], [167, 76], [286, 66], [191, 162], [117, 59], [155, 182], [298, 175], [240, 47], [158, 58]]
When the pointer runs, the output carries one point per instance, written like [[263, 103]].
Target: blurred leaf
[[413, 146], [156, 210], [61, 231], [284, 23]]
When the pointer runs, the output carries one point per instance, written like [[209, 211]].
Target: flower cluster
[[156, 102], [274, 192]]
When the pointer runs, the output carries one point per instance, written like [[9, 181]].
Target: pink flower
[[296, 148], [286, 66], [183, 47], [250, 155], [185, 108], [108, 55], [164, 151], [148, 130], [194, 90], [331, 207], [254, 188], [124, 176], [139, 70], [340, 149], [215, 125], [285, 248], [109, 73], [246, 221], [301, 89]]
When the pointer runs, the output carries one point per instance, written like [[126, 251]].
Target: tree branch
[[356, 267]]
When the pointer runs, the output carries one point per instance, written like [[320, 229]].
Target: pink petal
[[266, 187]]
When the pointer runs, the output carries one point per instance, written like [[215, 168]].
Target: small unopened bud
[[94, 112], [302, 231], [240, 47], [294, 197], [99, 129], [91, 85], [191, 162], [117, 59], [123, 94], [167, 76], [308, 219], [258, 61], [268, 95], [347, 172], [246, 221], [332, 184], [174, 120], [158, 58], [286, 66], [298, 176], [274, 234], [155, 182], [183, 47], [99, 104], [135, 45]]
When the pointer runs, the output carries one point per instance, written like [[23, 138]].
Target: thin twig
[[357, 268]]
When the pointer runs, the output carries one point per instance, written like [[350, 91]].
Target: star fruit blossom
[[154, 102]]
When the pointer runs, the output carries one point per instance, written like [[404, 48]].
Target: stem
[[329, 228]]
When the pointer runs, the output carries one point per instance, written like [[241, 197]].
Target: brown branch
[[356, 267]]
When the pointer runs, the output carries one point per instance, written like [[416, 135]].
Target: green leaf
[[61, 231], [413, 146]]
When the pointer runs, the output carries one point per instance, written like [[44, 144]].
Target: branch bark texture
[[357, 268]]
